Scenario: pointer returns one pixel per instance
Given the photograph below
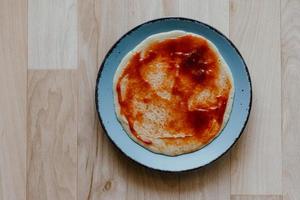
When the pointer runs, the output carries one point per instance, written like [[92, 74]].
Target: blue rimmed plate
[[221, 144]]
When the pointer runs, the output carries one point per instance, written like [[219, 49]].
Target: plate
[[214, 150]]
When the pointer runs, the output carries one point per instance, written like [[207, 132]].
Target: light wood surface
[[52, 145], [13, 81], [257, 197], [52, 34], [255, 29], [290, 73], [51, 134]]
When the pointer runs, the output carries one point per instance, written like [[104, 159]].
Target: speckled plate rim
[[97, 102]]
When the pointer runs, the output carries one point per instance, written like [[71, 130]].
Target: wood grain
[[88, 123], [52, 135], [52, 34], [209, 183], [101, 177], [256, 160], [13, 81], [65, 45], [256, 197], [290, 48], [215, 12]]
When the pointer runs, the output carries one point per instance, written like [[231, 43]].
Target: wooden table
[[51, 144]]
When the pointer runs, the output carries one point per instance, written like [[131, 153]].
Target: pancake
[[173, 92]]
